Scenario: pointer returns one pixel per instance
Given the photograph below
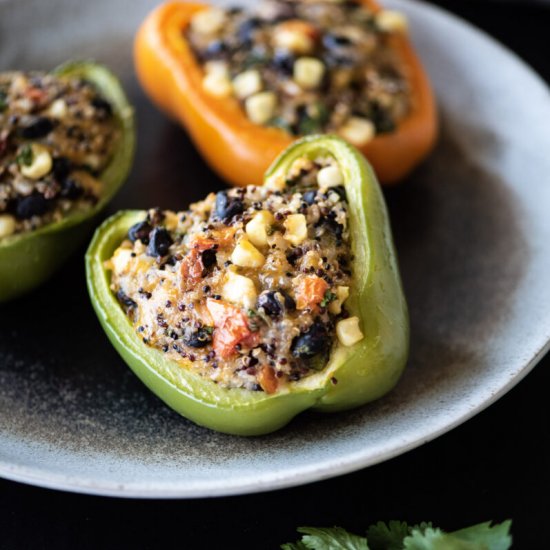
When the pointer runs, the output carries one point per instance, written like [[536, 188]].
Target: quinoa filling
[[306, 66], [56, 136], [247, 287]]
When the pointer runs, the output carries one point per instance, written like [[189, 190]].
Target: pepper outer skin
[[240, 151], [28, 259], [353, 375]]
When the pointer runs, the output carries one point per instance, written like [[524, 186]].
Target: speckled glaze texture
[[473, 236]]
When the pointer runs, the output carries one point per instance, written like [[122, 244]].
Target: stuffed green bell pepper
[[260, 302], [66, 145]]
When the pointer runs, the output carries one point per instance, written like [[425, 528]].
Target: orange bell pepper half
[[239, 150]]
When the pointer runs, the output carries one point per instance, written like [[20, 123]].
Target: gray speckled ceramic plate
[[473, 235]]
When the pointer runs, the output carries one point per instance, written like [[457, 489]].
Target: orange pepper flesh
[[239, 150]]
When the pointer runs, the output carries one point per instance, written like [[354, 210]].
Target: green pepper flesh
[[353, 376], [28, 259]]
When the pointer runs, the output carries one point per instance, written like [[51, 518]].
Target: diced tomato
[[191, 266], [267, 379], [202, 243], [310, 291], [220, 238], [231, 328], [37, 95], [300, 27]]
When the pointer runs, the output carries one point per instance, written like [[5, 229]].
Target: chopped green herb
[[397, 535], [251, 313], [208, 330], [25, 155], [329, 297], [254, 59]]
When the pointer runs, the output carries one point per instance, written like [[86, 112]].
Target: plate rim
[[303, 473]]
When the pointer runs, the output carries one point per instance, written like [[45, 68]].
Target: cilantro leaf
[[429, 539], [25, 155], [328, 297], [496, 537], [327, 538], [298, 545], [397, 535], [477, 537], [387, 536]]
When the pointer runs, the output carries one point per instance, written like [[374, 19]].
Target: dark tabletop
[[493, 467]]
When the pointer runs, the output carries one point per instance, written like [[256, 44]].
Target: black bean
[[216, 48], [208, 258], [246, 30], [38, 128], [270, 304], [309, 196], [290, 304], [335, 41], [61, 168], [197, 339], [331, 226], [341, 190], [274, 303], [283, 61], [32, 205], [103, 106], [71, 189], [159, 242], [125, 300], [227, 207], [293, 254], [311, 342], [140, 231]]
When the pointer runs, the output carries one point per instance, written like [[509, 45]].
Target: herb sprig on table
[[397, 535]]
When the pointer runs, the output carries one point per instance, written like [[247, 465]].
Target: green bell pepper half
[[28, 259], [353, 375]]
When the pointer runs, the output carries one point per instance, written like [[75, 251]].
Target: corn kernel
[[257, 228], [261, 107], [342, 293], [58, 109], [7, 225], [329, 176], [40, 165], [295, 36], [348, 331], [239, 290], [219, 67], [392, 21], [358, 131], [275, 183], [245, 254], [247, 83], [296, 229], [217, 84], [209, 21], [308, 72]]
